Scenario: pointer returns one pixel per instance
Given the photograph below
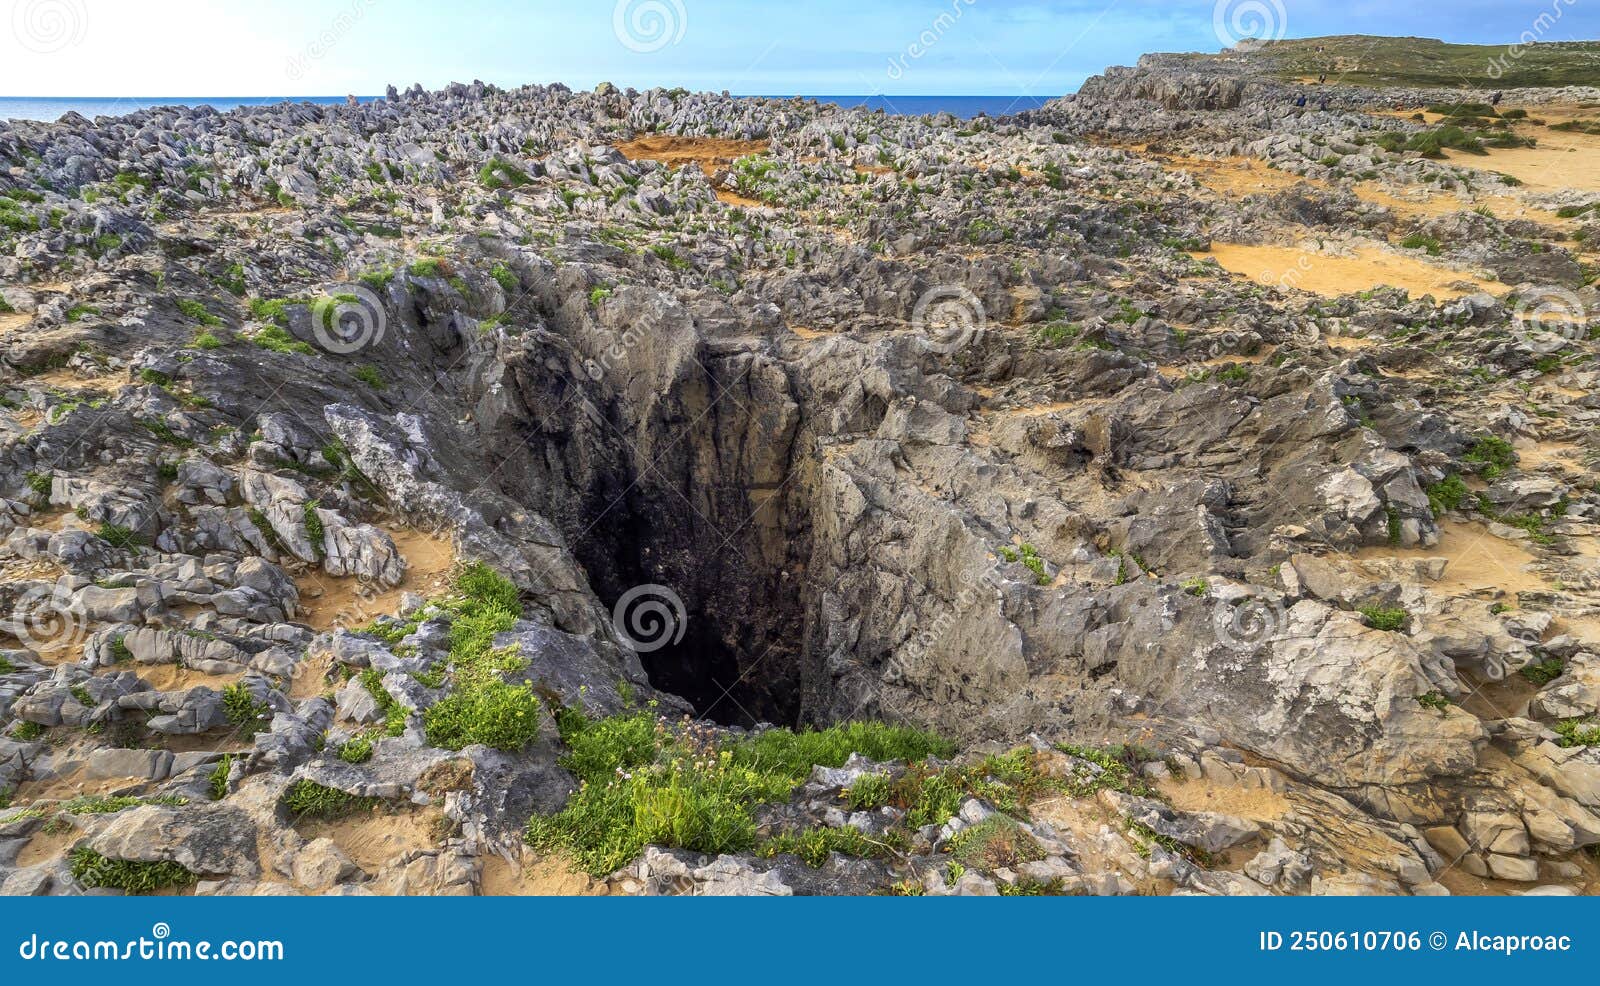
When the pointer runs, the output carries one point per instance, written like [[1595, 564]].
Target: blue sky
[[332, 47]]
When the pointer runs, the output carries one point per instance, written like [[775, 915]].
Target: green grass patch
[[248, 715], [308, 799], [1381, 618], [133, 876], [1575, 732], [645, 782]]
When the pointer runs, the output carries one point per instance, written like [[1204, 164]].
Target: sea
[[53, 107]]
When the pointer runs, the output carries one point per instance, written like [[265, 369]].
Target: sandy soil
[[175, 677], [74, 785], [1240, 176], [1368, 267], [375, 839], [1562, 160], [532, 877], [47, 845], [710, 153], [327, 602], [1478, 562]]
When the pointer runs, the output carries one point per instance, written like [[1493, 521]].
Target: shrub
[[1380, 618], [870, 791], [244, 711], [278, 340], [308, 799], [1494, 454], [495, 714], [507, 280], [133, 876], [357, 750], [1541, 673], [1447, 494], [369, 375], [793, 754], [1420, 241], [218, 778], [1574, 732], [197, 311], [122, 538], [995, 843], [643, 783], [814, 846]]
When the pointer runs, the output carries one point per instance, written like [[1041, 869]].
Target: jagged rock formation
[[918, 420]]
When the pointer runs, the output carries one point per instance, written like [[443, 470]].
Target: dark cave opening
[[701, 669]]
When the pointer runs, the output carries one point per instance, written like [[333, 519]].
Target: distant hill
[[1376, 61]]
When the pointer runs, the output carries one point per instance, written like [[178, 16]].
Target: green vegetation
[[483, 708], [369, 375], [1541, 673], [813, 846], [1381, 618], [308, 799], [40, 484], [1035, 564], [869, 791], [122, 538], [357, 749], [646, 782], [277, 339], [500, 173], [1196, 586], [105, 805], [197, 311], [994, 843], [1418, 241], [1575, 732], [247, 714], [1494, 454], [506, 278], [1424, 62], [135, 877], [1447, 494], [218, 778]]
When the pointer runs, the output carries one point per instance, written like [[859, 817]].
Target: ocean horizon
[[51, 108]]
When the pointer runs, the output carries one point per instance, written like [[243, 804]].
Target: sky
[[147, 48]]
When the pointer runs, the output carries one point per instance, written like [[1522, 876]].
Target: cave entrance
[[704, 671]]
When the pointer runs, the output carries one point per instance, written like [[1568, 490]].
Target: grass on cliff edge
[[1364, 60], [644, 782], [482, 706]]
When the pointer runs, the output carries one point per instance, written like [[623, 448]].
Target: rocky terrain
[[1175, 489]]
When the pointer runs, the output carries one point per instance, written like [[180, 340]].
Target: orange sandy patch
[[808, 334], [1562, 160], [1240, 176], [553, 877], [176, 678], [1368, 267], [375, 839], [710, 153], [327, 602], [1478, 562]]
